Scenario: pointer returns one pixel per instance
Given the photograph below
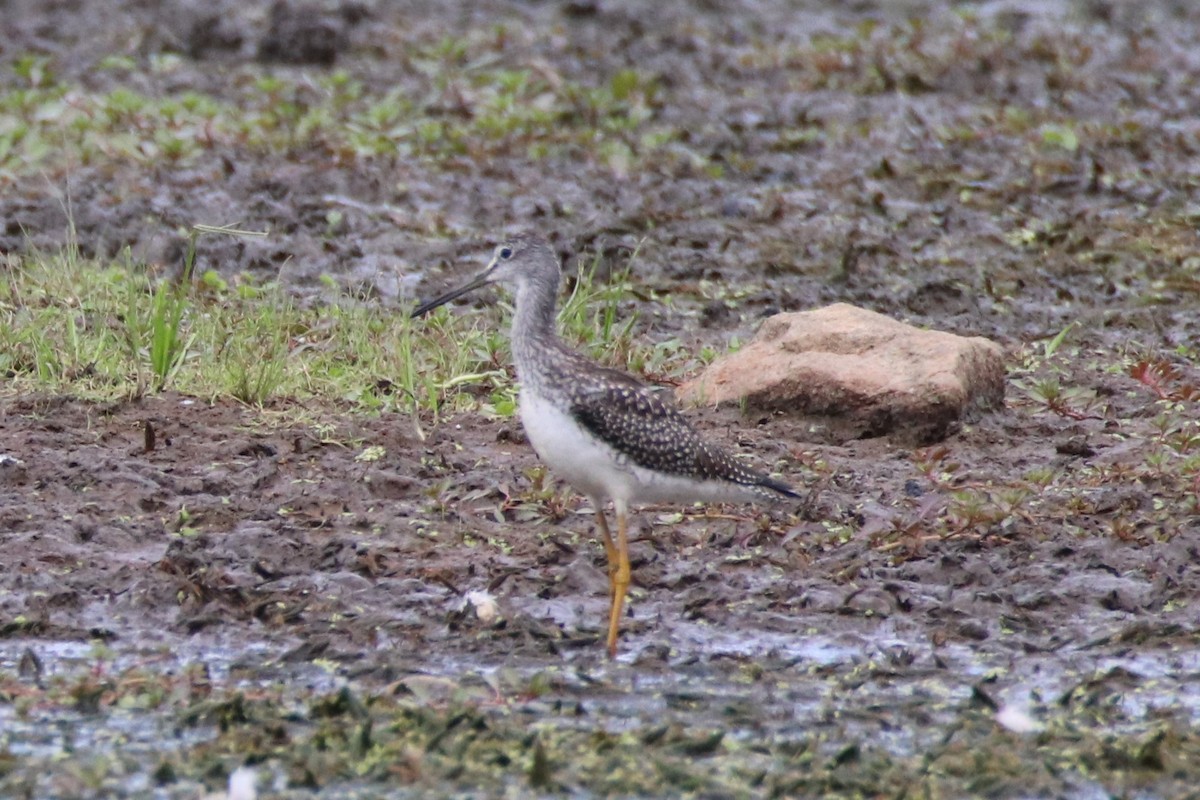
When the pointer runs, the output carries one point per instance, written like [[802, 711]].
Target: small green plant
[[167, 344], [159, 339], [1044, 378], [1062, 136], [256, 365], [591, 314]]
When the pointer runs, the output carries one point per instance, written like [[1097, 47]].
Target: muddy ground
[[1011, 613]]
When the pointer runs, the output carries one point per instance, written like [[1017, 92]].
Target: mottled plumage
[[603, 431], [656, 436]]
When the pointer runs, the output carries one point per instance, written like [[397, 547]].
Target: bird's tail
[[778, 486]]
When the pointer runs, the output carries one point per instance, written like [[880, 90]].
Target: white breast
[[572, 453]]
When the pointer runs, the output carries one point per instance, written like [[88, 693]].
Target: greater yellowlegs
[[600, 430]]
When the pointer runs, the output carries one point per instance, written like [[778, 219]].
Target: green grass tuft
[[111, 329]]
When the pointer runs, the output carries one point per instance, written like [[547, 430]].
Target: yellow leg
[[619, 577], [610, 549]]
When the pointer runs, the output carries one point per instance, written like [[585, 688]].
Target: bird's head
[[517, 263]]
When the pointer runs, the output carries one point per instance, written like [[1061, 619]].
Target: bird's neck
[[533, 327]]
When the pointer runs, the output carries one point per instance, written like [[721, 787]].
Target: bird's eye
[[505, 253]]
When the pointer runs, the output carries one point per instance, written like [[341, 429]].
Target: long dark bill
[[479, 280]]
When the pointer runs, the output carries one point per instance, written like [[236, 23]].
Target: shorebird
[[604, 432]]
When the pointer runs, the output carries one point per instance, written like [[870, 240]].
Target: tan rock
[[861, 373]]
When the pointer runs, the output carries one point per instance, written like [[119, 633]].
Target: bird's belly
[[572, 453]]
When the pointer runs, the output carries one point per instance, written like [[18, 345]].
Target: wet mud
[[1016, 603]]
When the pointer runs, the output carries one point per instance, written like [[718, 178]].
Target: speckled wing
[[652, 434]]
